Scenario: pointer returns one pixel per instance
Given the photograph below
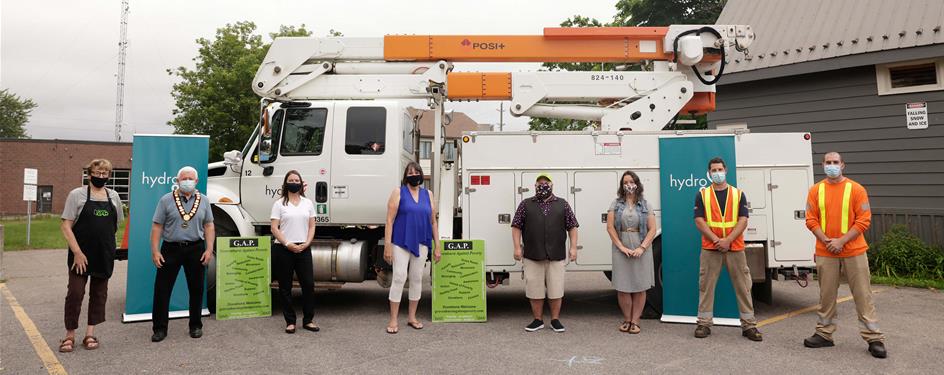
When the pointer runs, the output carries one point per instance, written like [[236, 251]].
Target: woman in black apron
[[93, 232]]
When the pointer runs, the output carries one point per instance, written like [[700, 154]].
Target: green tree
[[635, 13], [215, 97], [667, 12], [14, 114]]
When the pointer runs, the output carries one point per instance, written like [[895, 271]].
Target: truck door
[[365, 162], [593, 192], [299, 140], [791, 240], [490, 210]]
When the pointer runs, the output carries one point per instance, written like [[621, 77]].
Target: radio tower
[[122, 51]]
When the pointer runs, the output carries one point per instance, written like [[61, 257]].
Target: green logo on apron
[[101, 213]]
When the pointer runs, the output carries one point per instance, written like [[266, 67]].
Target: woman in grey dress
[[632, 228]]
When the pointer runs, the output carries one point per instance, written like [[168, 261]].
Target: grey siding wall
[[902, 169]]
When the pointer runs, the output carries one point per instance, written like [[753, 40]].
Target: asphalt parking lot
[[352, 340]]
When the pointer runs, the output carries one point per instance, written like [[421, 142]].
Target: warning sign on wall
[[917, 115]]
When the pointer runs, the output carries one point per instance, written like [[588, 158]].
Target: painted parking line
[[806, 310], [50, 362]]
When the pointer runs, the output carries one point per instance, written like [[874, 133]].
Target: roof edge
[[842, 62]]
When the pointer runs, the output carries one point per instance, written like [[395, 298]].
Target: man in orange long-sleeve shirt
[[837, 212]]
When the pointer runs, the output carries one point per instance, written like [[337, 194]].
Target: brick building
[[61, 166]]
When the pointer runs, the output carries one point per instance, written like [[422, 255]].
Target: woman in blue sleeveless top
[[410, 232]]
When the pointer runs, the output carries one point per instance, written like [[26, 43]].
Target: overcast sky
[[64, 54]]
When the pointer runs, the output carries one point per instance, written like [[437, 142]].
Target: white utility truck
[[339, 111]]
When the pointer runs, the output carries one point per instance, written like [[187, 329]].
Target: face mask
[[543, 191], [414, 180], [833, 170], [629, 188], [99, 182], [718, 177], [293, 187], [188, 186]]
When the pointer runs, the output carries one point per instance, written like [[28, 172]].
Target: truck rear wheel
[[653, 309]]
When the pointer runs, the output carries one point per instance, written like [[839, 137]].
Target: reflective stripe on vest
[[846, 195], [710, 200]]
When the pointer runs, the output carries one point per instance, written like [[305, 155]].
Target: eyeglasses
[[100, 174]]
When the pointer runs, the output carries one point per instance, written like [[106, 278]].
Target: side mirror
[[233, 157], [265, 149]]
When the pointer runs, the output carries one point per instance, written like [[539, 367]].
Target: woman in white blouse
[[293, 227]]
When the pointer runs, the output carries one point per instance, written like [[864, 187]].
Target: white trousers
[[402, 261]]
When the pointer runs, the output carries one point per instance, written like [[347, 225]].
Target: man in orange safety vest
[[722, 243]]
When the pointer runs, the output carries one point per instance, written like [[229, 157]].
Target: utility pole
[[122, 52]]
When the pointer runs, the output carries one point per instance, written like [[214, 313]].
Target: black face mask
[[293, 188], [98, 182], [415, 180]]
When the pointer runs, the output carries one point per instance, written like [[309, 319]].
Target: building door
[[44, 196]]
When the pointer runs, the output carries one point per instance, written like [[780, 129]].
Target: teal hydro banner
[[683, 171], [155, 160]]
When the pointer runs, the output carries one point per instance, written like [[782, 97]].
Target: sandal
[[90, 342], [415, 325], [290, 330], [393, 330], [625, 327], [311, 327], [67, 345], [634, 328]]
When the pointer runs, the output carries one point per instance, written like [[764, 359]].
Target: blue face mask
[[832, 170], [718, 177], [187, 186]]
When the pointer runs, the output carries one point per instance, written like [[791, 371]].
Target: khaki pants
[[709, 270], [544, 278], [856, 270]]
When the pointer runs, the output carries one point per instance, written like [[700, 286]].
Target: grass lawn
[[915, 283], [44, 234]]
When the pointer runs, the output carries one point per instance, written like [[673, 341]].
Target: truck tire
[[653, 309], [225, 227]]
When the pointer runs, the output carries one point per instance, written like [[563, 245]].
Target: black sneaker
[[535, 325], [196, 333], [877, 348], [702, 331], [557, 326], [158, 336], [817, 341]]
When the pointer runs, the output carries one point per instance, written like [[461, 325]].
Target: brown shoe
[[752, 334], [702, 331]]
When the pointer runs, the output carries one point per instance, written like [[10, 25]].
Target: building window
[[119, 182], [366, 131], [426, 150], [911, 76]]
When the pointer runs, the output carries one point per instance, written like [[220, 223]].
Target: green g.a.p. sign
[[243, 275], [459, 282]]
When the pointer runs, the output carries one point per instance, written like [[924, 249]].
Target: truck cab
[[350, 155]]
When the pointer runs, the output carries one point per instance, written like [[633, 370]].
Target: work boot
[[702, 331], [752, 334], [877, 348], [817, 341]]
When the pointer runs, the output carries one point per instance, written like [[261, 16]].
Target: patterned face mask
[[543, 190]]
